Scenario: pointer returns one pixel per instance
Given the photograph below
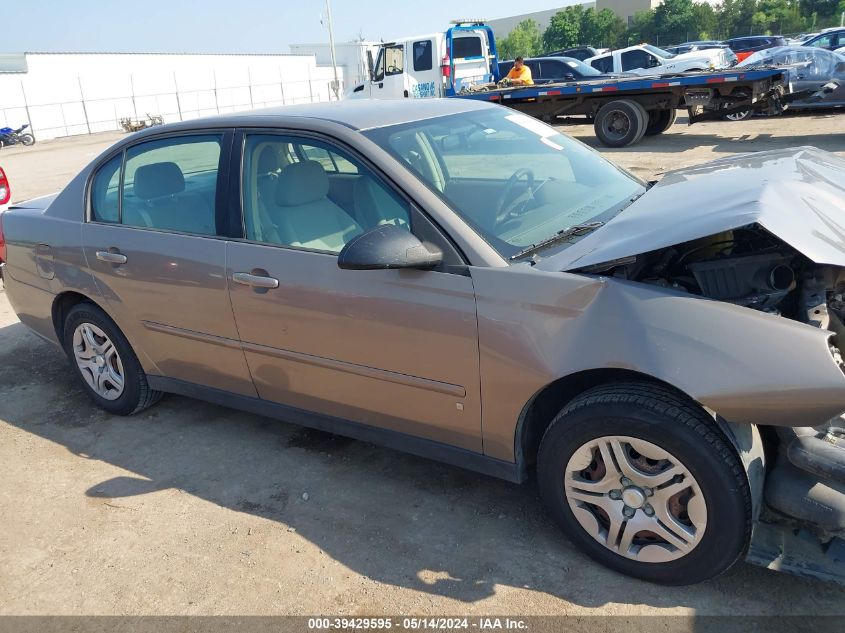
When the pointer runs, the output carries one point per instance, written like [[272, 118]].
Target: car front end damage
[[765, 233]]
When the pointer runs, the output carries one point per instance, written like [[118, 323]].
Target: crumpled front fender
[[749, 367]]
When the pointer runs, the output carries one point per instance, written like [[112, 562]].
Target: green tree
[[564, 29], [525, 40], [736, 17], [602, 28], [705, 20], [674, 21], [642, 28]]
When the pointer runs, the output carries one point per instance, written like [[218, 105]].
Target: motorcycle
[[8, 136]]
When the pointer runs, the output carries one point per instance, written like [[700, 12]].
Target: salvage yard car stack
[[462, 282]]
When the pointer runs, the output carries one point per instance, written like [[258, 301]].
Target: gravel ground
[[190, 508]]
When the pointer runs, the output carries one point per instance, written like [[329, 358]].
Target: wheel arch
[[62, 305], [540, 410]]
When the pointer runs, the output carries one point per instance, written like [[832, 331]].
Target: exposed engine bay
[[748, 267], [805, 486]]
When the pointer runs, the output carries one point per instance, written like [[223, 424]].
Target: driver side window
[[394, 60]]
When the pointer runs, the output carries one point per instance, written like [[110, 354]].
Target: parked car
[[831, 39], [557, 70], [577, 52], [458, 280], [744, 47], [809, 69], [646, 59], [691, 47]]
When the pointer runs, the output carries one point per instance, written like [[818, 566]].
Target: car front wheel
[[643, 480]]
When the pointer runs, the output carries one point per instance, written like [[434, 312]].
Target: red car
[[746, 46]]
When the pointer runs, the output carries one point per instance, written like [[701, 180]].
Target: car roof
[[357, 114], [754, 37], [547, 58]]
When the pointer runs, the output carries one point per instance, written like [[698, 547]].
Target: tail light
[[5, 189], [5, 194], [445, 66]]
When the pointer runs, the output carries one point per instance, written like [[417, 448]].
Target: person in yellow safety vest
[[520, 74]]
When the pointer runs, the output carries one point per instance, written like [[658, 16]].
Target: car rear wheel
[[643, 480], [659, 121], [620, 123], [104, 362]]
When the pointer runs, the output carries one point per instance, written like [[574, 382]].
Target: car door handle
[[111, 258], [256, 281]]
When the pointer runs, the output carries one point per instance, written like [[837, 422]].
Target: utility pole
[[336, 83]]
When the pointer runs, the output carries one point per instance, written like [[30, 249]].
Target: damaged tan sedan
[[462, 282]]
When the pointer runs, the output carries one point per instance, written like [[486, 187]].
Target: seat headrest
[[268, 160], [157, 180], [301, 183]]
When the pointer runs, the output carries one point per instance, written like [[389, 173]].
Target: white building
[[61, 94], [350, 56]]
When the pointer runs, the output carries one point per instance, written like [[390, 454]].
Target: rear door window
[[423, 58], [171, 184]]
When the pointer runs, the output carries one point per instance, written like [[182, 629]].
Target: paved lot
[[193, 508]]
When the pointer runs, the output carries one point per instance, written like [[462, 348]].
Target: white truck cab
[[645, 59], [435, 65]]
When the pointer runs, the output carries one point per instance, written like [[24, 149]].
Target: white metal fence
[[87, 104]]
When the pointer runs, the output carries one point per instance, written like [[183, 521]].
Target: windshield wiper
[[560, 236]]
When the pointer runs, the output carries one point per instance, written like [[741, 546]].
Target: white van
[[436, 65]]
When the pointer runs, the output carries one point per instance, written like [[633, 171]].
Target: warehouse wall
[[65, 94]]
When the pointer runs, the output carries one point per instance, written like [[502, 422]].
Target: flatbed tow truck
[[624, 110], [462, 62]]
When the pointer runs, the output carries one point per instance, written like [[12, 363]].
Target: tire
[[742, 115], [707, 503], [27, 139], [99, 354], [620, 123], [659, 121]]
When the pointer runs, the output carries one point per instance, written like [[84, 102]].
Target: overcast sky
[[228, 26]]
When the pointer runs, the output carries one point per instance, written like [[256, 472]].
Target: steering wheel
[[506, 208]]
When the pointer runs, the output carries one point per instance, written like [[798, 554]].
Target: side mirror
[[569, 77], [384, 247]]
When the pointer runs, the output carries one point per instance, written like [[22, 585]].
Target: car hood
[[796, 194]]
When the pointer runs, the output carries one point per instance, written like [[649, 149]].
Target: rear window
[[466, 47]]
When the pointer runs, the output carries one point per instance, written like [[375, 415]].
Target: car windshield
[[658, 51], [584, 69], [515, 180]]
